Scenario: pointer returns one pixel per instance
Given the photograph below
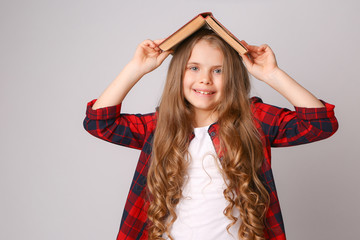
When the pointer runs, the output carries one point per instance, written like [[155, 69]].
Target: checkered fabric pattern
[[278, 127]]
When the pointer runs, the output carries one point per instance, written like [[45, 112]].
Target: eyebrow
[[196, 63]]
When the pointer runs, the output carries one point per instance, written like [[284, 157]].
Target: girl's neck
[[204, 118]]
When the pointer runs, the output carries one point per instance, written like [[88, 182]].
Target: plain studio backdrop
[[58, 182]]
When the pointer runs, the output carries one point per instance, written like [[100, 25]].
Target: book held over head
[[203, 20]]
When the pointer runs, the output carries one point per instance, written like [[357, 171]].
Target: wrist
[[133, 69], [274, 75], [279, 80]]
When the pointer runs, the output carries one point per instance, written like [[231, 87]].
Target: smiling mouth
[[203, 92]]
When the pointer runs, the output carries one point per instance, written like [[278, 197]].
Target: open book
[[203, 20]]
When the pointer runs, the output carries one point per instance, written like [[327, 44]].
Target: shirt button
[[212, 134]]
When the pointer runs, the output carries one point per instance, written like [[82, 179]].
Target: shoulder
[[258, 106], [266, 113], [147, 121], [255, 99]]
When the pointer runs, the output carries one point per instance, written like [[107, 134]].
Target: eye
[[193, 68], [218, 71]]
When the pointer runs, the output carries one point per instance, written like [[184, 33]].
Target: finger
[[247, 61], [263, 47], [254, 51], [246, 44], [163, 56], [253, 54], [157, 49], [158, 41], [149, 43], [243, 42]]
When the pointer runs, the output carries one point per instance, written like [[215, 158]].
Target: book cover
[[202, 20]]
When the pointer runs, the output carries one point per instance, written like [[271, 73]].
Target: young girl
[[205, 165]]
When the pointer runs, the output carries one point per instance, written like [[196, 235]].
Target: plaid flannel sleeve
[[304, 125], [124, 129]]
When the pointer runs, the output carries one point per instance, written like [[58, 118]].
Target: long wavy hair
[[239, 141]]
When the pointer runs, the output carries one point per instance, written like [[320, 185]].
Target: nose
[[205, 78]]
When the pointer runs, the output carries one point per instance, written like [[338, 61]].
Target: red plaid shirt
[[279, 127]]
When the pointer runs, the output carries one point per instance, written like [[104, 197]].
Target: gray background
[[58, 182]]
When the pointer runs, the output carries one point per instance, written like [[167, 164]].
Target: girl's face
[[203, 78]]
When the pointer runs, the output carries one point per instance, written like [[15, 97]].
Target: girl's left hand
[[260, 61]]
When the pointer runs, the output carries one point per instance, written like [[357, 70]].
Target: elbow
[[330, 128], [335, 126], [85, 125]]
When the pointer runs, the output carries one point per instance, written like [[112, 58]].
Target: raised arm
[[103, 118], [261, 63], [147, 57], [312, 120]]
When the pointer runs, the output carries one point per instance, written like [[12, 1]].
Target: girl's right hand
[[148, 56]]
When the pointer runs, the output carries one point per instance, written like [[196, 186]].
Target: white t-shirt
[[200, 212]]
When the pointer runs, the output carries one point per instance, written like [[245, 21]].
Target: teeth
[[207, 93]]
